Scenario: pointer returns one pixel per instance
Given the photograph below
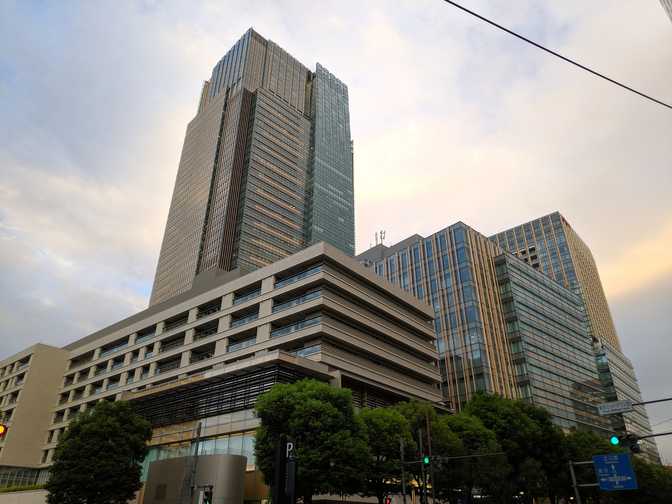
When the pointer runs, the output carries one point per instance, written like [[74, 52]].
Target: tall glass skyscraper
[[266, 168], [550, 245]]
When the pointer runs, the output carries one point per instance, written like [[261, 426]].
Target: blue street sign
[[614, 472]]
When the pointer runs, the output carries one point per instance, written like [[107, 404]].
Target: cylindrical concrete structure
[[223, 475]]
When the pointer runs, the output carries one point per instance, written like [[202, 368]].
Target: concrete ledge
[[24, 497]]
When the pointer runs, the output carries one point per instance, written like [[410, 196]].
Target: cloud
[[451, 120], [641, 263], [644, 321]]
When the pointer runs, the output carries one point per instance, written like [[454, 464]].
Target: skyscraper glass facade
[[330, 214], [266, 168], [272, 203], [620, 383], [453, 270], [502, 325], [550, 245], [551, 350]]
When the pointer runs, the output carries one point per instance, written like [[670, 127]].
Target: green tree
[[533, 445], [580, 446], [331, 446], [654, 481], [98, 458], [469, 473], [445, 443], [385, 428], [419, 415]]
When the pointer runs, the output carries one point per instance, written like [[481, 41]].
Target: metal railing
[[308, 296], [171, 345], [112, 350], [199, 357], [208, 310], [242, 321], [305, 352], [204, 333], [176, 323], [239, 345], [246, 297], [145, 337], [299, 276], [164, 368], [296, 326]]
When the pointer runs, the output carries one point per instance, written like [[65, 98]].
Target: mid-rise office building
[[206, 354], [454, 271], [550, 245], [620, 383], [502, 325], [29, 383], [266, 168], [551, 350]]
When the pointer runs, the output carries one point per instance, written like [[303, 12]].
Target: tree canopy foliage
[[509, 451], [98, 458], [331, 444], [386, 429]]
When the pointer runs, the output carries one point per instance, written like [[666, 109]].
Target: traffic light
[[425, 460], [3, 430], [630, 441]]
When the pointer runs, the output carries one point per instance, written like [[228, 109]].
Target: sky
[[451, 120]]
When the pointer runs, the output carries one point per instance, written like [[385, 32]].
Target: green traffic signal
[[425, 460], [614, 440]]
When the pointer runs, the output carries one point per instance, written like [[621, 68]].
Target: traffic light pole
[[655, 435], [431, 460], [423, 495], [403, 471], [576, 485]]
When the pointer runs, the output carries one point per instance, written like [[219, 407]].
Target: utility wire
[[568, 60], [662, 422]]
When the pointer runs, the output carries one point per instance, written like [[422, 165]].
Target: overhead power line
[[661, 422], [558, 55]]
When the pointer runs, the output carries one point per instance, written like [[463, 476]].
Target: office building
[[550, 245], [266, 168], [454, 271], [551, 350], [667, 5], [620, 383], [205, 355], [29, 383], [502, 326]]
